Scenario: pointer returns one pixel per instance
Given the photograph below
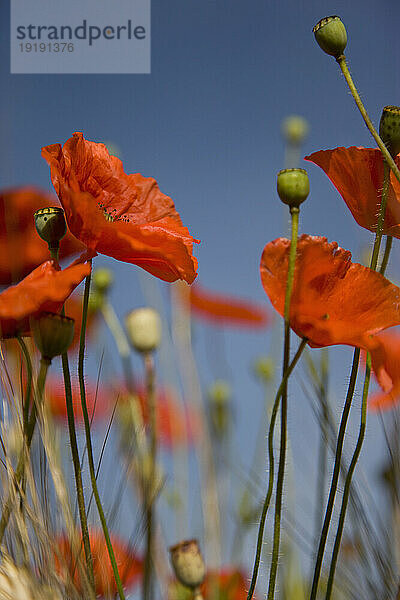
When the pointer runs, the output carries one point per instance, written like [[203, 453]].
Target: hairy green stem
[[19, 471], [77, 469], [150, 481], [271, 466], [92, 468], [28, 391], [294, 212], [363, 422], [385, 259], [341, 60]]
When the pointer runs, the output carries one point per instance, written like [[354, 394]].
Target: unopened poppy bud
[[143, 326], [188, 563], [331, 35], [220, 412], [295, 129], [264, 368], [389, 129], [50, 225], [293, 186], [103, 280], [53, 334]]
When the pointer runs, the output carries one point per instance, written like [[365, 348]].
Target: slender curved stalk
[[346, 409], [77, 469], [121, 341], [341, 60], [271, 466], [294, 212], [363, 422], [19, 471], [28, 391], [151, 476], [386, 255], [346, 491], [92, 468]]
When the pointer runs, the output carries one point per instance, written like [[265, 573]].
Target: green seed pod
[[188, 563], [295, 129], [331, 35], [293, 186], [389, 129], [53, 334], [50, 225], [103, 280], [264, 368], [219, 396]]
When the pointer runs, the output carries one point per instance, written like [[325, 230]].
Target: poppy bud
[[295, 129], [264, 368], [219, 397], [293, 186], [331, 35], [53, 334], [103, 280], [389, 129], [50, 225], [143, 327], [188, 563]]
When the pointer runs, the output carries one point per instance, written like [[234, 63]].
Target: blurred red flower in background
[[223, 309], [21, 248], [334, 301], [119, 215], [357, 174], [99, 403], [129, 564], [43, 290], [386, 366]]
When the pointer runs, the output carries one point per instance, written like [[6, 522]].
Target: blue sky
[[206, 124]]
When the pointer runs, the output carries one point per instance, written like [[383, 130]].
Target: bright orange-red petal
[[21, 248], [357, 174], [225, 309], [130, 566], [334, 301], [386, 366], [230, 582], [43, 290], [120, 215]]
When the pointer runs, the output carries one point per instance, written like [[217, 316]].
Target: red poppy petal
[[120, 215], [386, 365], [334, 301], [357, 174]]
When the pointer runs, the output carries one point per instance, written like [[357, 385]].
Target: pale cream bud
[[143, 327], [188, 563]]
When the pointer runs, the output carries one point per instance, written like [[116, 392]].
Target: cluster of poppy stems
[[332, 300]]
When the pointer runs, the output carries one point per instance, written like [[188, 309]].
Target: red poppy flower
[[98, 401], [21, 248], [120, 215], [43, 290], [129, 564], [386, 366], [334, 301], [357, 174], [225, 310]]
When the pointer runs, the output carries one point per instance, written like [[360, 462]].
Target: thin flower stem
[[77, 469], [346, 491], [294, 212], [335, 474], [341, 60], [92, 468], [150, 481], [121, 341], [271, 466], [19, 471], [28, 391], [385, 259], [361, 434], [346, 409]]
